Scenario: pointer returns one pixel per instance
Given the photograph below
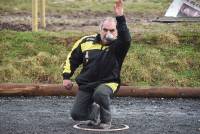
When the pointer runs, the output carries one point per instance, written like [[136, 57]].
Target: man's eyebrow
[[108, 29]]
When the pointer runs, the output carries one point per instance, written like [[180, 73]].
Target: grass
[[160, 54], [33, 55], [152, 66], [38, 57], [64, 6]]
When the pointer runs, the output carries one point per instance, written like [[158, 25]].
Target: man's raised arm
[[123, 32]]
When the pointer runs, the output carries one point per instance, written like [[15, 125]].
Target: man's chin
[[105, 42]]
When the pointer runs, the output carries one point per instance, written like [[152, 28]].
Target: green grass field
[[38, 57], [160, 54], [64, 6]]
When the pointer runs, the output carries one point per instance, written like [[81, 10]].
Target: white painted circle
[[124, 127]]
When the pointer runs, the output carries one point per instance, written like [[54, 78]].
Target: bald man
[[102, 56]]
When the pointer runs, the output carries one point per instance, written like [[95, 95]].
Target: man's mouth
[[109, 37]]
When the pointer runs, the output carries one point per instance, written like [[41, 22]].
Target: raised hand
[[119, 8]]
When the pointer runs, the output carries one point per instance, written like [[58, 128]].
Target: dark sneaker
[[89, 123], [95, 114], [105, 125], [93, 123]]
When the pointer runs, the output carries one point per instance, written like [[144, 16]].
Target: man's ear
[[100, 27]]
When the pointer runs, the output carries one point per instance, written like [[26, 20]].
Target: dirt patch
[[15, 27], [143, 115], [86, 21]]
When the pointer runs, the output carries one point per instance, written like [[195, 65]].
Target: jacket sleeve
[[123, 39], [123, 32], [74, 59]]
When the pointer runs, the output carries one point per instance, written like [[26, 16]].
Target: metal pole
[[34, 15]]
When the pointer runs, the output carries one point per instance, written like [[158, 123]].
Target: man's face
[[108, 31]]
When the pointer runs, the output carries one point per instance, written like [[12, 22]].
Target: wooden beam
[[124, 91]]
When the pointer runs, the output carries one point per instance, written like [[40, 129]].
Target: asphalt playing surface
[[50, 115]]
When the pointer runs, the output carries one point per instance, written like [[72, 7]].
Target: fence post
[[43, 5], [34, 15]]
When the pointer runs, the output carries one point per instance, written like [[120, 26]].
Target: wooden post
[[43, 21], [35, 10], [34, 15]]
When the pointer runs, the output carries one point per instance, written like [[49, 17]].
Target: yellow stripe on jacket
[[112, 85]]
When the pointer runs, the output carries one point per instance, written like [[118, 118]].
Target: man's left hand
[[119, 8]]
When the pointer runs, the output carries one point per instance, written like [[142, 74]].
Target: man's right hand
[[67, 84]]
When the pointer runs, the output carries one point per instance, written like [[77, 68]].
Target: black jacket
[[101, 64]]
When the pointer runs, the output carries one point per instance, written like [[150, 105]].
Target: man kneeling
[[102, 56]]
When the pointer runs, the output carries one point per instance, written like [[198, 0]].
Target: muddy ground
[[50, 115], [78, 21]]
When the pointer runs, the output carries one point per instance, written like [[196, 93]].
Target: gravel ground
[[41, 115]]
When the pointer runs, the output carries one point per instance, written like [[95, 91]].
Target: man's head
[[108, 30]]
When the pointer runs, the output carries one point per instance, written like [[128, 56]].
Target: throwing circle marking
[[81, 126]]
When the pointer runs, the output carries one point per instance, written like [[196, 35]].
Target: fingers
[[118, 7], [68, 86], [119, 1]]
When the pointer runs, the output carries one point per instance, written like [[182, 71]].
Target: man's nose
[[108, 32]]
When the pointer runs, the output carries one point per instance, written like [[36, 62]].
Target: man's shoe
[[105, 125], [89, 123], [95, 114], [93, 123]]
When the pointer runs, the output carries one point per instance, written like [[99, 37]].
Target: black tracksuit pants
[[83, 102]]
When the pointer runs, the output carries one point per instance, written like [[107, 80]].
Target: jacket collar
[[98, 39]]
